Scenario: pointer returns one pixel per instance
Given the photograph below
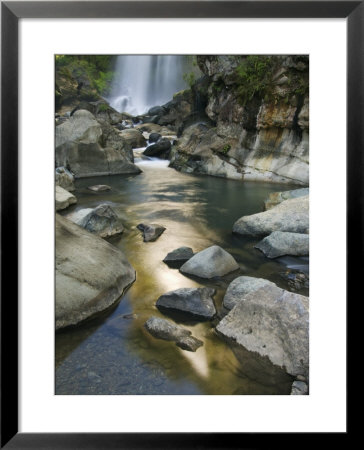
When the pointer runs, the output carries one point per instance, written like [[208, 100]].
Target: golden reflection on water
[[197, 212], [198, 361]]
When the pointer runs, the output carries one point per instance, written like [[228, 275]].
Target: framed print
[[194, 114]]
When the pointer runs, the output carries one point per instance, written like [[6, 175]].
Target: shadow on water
[[68, 339], [113, 353]]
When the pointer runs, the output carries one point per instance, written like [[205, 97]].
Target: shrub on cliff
[[254, 77], [85, 77], [264, 77]]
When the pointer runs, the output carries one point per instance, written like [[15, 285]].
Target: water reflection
[[115, 354]]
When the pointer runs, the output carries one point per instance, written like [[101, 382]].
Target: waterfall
[[143, 81]]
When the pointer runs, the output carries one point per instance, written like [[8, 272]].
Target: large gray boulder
[[151, 231], [212, 262], [196, 302], [101, 220], [81, 127], [111, 138], [281, 243], [82, 146], [240, 287], [64, 198], [168, 331], [278, 197], [65, 179], [133, 137], [91, 274], [274, 323], [291, 215], [201, 150]]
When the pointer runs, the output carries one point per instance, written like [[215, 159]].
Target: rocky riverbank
[[258, 125], [215, 128]]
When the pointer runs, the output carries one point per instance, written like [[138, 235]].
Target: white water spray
[[143, 81]]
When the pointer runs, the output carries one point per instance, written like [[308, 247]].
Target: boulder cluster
[[205, 130]]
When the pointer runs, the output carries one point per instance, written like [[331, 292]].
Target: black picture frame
[[11, 12]]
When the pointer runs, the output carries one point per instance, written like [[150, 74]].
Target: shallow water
[[113, 353]]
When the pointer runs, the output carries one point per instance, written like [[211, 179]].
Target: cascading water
[[143, 81]]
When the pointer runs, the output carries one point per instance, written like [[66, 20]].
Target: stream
[[113, 353]]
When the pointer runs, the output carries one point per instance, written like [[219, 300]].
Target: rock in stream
[[212, 262], [274, 323], [167, 330], [101, 220], [291, 215], [91, 274], [196, 302], [281, 243], [178, 256], [151, 232]]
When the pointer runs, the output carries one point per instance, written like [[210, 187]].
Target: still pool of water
[[113, 353]]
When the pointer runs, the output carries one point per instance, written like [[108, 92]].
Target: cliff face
[[260, 108]]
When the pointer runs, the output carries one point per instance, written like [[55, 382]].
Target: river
[[113, 353]]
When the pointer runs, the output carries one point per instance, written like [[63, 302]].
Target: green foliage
[[254, 77], [97, 69], [191, 60], [103, 107], [303, 87], [189, 78], [191, 71], [103, 82], [225, 149], [218, 86]]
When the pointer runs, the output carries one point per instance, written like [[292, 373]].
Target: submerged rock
[[101, 220], [240, 287], [178, 256], [151, 232], [212, 262], [165, 329], [278, 197], [91, 274], [274, 323], [299, 388], [296, 280], [291, 215], [197, 302], [253, 366], [64, 198], [281, 243], [99, 188]]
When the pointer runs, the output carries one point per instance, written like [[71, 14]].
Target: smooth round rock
[[212, 262]]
